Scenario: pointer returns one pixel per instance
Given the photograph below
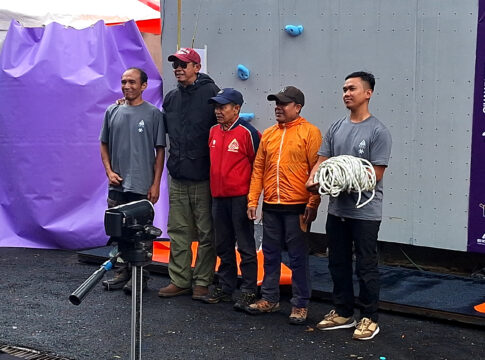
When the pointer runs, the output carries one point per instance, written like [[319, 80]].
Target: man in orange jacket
[[286, 155]]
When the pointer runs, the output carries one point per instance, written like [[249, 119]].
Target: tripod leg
[[136, 311]]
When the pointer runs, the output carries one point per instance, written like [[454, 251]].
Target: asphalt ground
[[35, 313]]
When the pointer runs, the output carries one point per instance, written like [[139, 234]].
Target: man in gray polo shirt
[[361, 135], [132, 150]]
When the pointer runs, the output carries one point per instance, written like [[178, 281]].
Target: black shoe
[[119, 280], [128, 288], [246, 299], [217, 296]]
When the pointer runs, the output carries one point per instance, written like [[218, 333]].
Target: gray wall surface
[[422, 53]]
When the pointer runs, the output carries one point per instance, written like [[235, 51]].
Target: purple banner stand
[[55, 85], [476, 217]]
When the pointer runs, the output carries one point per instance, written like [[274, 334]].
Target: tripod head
[[130, 226]]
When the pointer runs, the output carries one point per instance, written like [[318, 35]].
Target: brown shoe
[[200, 292], [298, 315], [262, 306], [172, 290], [366, 329]]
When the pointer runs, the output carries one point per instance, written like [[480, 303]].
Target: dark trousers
[[342, 233], [116, 198], [281, 229], [231, 226]]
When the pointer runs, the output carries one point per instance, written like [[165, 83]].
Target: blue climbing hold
[[242, 72], [294, 30], [246, 116]]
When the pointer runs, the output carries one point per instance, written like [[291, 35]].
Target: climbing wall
[[423, 55]]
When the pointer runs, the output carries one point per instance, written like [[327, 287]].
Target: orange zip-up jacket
[[286, 155]]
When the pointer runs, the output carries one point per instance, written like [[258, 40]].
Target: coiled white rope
[[346, 173]]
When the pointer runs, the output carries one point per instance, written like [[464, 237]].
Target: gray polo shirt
[[132, 133], [370, 140]]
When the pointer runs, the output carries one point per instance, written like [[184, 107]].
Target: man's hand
[[114, 178], [153, 193], [309, 215], [312, 186], [252, 213]]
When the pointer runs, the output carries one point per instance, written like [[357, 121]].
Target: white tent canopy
[[78, 14]]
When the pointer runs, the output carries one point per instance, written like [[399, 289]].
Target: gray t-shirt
[[370, 140], [132, 133]]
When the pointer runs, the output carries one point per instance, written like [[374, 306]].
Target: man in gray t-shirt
[[368, 139], [133, 151], [361, 135]]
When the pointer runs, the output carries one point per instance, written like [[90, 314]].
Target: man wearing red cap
[[188, 118]]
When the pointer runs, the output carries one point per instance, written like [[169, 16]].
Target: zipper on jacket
[[223, 142], [278, 166]]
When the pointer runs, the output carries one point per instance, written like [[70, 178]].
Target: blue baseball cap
[[226, 96]]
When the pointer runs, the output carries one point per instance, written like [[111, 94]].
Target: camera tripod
[[135, 252]]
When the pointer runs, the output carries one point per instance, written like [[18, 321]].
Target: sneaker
[[119, 280], [366, 329], [200, 292], [128, 287], [262, 306], [298, 315], [172, 290], [246, 299], [333, 321], [217, 296]]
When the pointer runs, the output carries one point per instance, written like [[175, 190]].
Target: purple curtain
[[476, 213], [55, 84]]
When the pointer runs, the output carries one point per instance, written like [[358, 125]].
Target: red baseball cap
[[186, 55]]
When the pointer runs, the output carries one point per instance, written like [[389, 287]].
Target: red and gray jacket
[[232, 153]]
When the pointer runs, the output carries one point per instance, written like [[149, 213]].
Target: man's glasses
[[182, 64]]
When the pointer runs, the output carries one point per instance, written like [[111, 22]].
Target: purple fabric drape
[[476, 213], [55, 84]]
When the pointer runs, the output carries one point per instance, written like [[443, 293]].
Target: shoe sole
[[369, 337], [241, 308], [216, 301], [344, 326], [182, 292], [296, 321], [259, 312]]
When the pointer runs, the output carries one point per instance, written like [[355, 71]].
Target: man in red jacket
[[233, 144]]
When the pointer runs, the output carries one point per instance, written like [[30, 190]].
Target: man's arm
[[379, 170], [114, 178], [256, 185], [314, 143], [381, 150], [310, 184], [154, 191]]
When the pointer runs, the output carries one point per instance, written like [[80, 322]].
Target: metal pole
[[136, 311], [179, 22]]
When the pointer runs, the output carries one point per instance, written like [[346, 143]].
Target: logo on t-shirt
[[233, 146], [361, 147], [213, 143], [141, 126]]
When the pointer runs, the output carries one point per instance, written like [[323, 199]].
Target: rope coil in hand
[[346, 173]]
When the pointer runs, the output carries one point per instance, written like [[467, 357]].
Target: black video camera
[[131, 227]]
